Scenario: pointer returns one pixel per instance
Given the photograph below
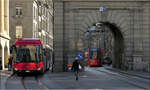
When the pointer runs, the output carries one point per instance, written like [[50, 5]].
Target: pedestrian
[[75, 67], [10, 62]]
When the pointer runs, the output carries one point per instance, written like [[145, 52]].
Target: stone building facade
[[4, 32], [128, 21], [31, 19]]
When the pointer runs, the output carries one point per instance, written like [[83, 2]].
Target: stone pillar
[[2, 16], [146, 38], [5, 15], [7, 25], [138, 40], [58, 36]]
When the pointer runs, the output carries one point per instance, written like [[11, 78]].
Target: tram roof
[[28, 41]]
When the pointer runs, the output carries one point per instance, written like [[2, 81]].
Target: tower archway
[[110, 41], [117, 25], [117, 45]]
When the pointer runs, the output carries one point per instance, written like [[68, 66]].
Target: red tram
[[29, 56], [94, 58]]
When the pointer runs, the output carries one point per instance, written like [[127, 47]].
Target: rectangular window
[[34, 12], [18, 11], [18, 31], [40, 10]]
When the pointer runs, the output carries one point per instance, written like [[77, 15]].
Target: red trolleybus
[[28, 56], [94, 57]]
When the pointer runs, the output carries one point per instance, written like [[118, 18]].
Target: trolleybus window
[[28, 53]]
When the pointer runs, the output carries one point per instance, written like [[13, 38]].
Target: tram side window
[[38, 53]]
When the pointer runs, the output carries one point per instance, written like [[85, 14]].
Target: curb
[[123, 72]]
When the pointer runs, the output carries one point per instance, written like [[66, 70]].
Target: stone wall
[[72, 19], [58, 36], [26, 20]]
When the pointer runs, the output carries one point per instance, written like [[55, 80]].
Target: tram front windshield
[[28, 53]]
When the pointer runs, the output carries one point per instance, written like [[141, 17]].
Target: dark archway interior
[[118, 48]]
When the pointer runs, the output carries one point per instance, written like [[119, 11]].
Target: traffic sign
[[80, 56], [102, 9]]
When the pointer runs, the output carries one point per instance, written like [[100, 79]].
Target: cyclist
[[75, 67]]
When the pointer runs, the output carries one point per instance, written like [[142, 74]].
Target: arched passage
[[115, 47], [117, 24], [118, 45]]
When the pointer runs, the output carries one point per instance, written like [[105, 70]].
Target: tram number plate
[[27, 71]]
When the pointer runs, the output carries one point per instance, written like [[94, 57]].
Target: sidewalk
[[5, 73], [145, 75]]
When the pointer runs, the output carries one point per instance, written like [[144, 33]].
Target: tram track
[[8, 79], [24, 82], [40, 83], [132, 80], [36, 79], [123, 78], [10, 76]]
